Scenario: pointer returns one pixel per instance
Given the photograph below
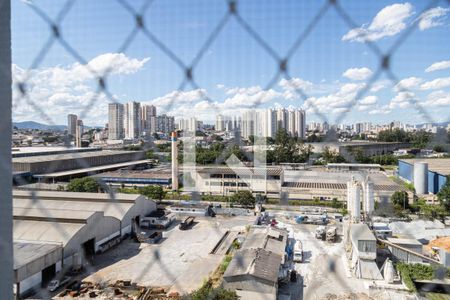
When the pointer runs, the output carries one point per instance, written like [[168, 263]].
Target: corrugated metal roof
[[245, 171], [258, 263], [404, 241], [44, 213], [27, 252], [270, 239], [76, 155], [70, 209], [361, 232], [69, 196], [45, 231], [92, 169]]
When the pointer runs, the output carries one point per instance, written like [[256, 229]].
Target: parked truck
[[331, 234], [320, 232], [187, 223], [298, 251]]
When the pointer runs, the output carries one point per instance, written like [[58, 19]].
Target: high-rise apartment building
[[148, 118], [132, 120], [188, 125], [115, 121], [220, 123], [165, 123], [72, 124]]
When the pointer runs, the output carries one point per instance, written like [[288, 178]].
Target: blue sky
[[331, 66]]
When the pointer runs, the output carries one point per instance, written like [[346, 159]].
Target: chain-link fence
[[191, 73]]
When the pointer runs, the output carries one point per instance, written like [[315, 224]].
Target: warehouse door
[[48, 274], [89, 249]]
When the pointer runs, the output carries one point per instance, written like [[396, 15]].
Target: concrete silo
[[354, 200], [369, 201], [421, 177]]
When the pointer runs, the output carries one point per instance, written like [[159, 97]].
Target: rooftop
[[361, 232], [404, 241], [270, 239], [245, 171], [45, 231], [70, 206], [92, 169], [27, 252], [258, 263], [80, 155], [147, 174], [438, 165]]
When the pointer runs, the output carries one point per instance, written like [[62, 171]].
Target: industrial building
[[130, 178], [427, 175], [364, 252], [254, 270], [367, 148], [37, 151], [325, 185], [225, 180], [400, 254], [67, 165], [67, 229]]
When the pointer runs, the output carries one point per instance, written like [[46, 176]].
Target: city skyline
[[334, 66]]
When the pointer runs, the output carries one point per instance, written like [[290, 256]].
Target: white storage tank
[[354, 200], [421, 177], [369, 202]]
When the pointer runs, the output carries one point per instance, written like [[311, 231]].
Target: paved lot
[[325, 274], [181, 261]]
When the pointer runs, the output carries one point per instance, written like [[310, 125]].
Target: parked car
[[56, 283]]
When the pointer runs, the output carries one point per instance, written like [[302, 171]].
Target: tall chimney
[[174, 162]]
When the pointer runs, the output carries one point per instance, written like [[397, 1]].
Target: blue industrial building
[[436, 170]]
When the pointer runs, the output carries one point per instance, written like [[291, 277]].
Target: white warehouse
[[55, 230]]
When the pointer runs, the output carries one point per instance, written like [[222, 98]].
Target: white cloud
[[358, 73], [250, 97], [377, 86], [293, 86], [380, 110], [441, 65], [369, 100], [62, 89], [435, 84], [438, 98], [408, 84], [432, 17], [402, 100], [389, 21], [337, 102], [367, 103]]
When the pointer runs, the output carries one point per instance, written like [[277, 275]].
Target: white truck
[[331, 234], [320, 232], [56, 283], [298, 252]]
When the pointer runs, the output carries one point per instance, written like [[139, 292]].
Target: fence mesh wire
[[227, 12]]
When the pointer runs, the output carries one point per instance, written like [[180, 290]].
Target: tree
[[444, 195], [400, 199], [153, 192], [439, 148], [244, 198], [150, 154], [207, 291], [85, 184]]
